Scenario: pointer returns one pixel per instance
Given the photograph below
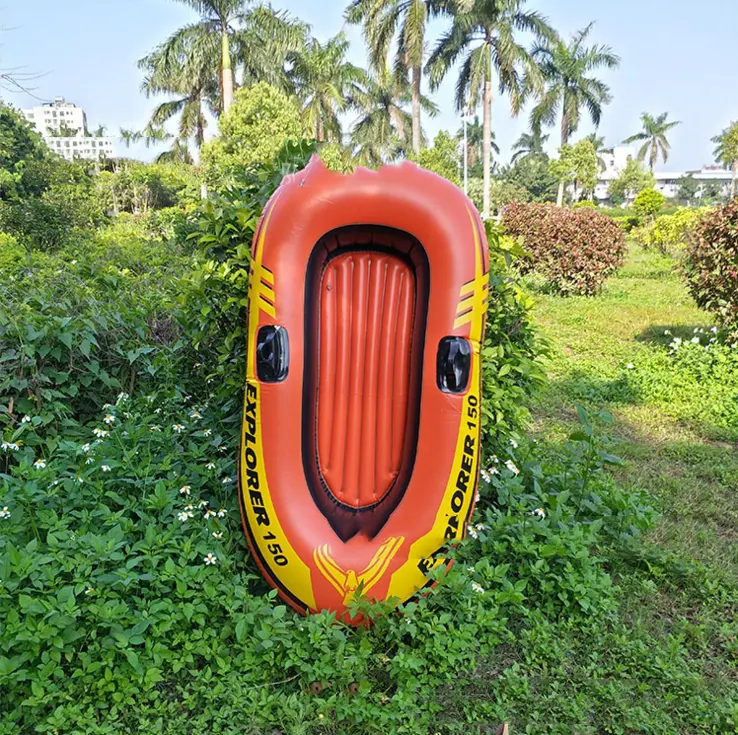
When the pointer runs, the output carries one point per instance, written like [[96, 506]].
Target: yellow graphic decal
[[272, 545], [347, 582], [457, 500]]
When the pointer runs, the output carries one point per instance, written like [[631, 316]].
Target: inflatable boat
[[360, 450]]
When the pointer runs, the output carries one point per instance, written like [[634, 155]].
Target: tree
[[654, 134], [570, 87], [577, 164], [688, 189], [254, 130], [483, 36], [632, 179], [600, 149], [475, 145], [383, 129], [528, 144], [442, 158], [648, 203], [532, 174], [405, 21], [726, 152], [326, 85]]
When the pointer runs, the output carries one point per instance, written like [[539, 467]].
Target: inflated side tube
[[359, 453]]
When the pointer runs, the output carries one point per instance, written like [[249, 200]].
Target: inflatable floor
[[360, 444]]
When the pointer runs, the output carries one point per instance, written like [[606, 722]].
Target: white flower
[[218, 534], [74, 262], [106, 406], [695, 330], [12, 446], [122, 397], [189, 507], [222, 512], [630, 366], [207, 432], [85, 448], [155, 427], [209, 514], [210, 559], [695, 340], [477, 497], [667, 332], [486, 476], [185, 490], [471, 570], [539, 513], [184, 515], [109, 419], [105, 468], [494, 458], [513, 444], [100, 433], [89, 590], [480, 527], [89, 460], [226, 480], [512, 467], [202, 503], [5, 513], [477, 587], [158, 410], [714, 330], [472, 532], [26, 419], [40, 464], [210, 466], [195, 415], [79, 479], [178, 428]]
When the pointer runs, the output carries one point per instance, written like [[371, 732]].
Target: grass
[[671, 646], [678, 437]]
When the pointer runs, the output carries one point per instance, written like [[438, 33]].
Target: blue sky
[[677, 56]]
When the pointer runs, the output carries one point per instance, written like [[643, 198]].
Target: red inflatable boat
[[360, 445]]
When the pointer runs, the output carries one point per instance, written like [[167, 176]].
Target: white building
[[63, 126], [667, 182]]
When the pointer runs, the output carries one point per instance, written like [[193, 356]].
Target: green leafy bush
[[575, 250], [584, 203], [670, 233], [648, 203], [711, 265]]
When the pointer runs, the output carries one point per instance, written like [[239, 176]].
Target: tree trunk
[[417, 75], [734, 167], [487, 146], [564, 141], [319, 129], [227, 73]]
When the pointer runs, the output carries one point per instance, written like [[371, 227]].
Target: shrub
[[584, 204], [575, 250], [649, 202], [711, 264], [670, 233]]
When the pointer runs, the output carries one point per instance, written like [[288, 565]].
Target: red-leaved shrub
[[574, 249], [711, 264]]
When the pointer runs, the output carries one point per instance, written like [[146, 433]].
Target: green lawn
[[679, 436], [671, 647]]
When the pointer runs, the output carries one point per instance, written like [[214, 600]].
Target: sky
[[676, 57]]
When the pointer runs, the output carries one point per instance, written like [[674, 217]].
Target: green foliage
[[442, 158], [575, 250], [532, 173], [711, 265], [19, 145], [726, 149], [577, 164], [584, 203], [671, 233], [648, 203], [688, 188], [253, 131], [632, 179], [501, 193]]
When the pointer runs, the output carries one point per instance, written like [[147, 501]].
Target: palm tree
[[475, 143], [598, 143], [326, 84], [726, 152], [529, 144], [569, 85], [483, 32], [654, 134], [384, 127], [405, 20]]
